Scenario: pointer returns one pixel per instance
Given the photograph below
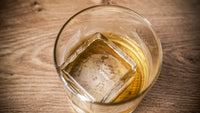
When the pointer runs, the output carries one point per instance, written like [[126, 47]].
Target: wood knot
[[36, 5], [108, 2], [39, 9]]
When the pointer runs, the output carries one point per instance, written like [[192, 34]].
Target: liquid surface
[[109, 69]]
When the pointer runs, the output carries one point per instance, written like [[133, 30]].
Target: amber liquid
[[126, 45]]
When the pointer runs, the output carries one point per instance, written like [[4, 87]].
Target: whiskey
[[106, 68]]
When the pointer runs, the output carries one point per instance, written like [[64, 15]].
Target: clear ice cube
[[103, 74]]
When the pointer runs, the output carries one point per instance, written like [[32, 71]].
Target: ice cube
[[99, 70]]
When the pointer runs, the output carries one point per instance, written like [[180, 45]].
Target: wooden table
[[30, 83]]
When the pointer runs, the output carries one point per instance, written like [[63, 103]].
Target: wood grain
[[28, 79]]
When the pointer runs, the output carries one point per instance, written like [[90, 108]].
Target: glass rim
[[155, 37]]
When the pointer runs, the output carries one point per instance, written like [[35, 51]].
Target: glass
[[124, 36]]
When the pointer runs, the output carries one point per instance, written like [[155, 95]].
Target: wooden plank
[[28, 79]]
